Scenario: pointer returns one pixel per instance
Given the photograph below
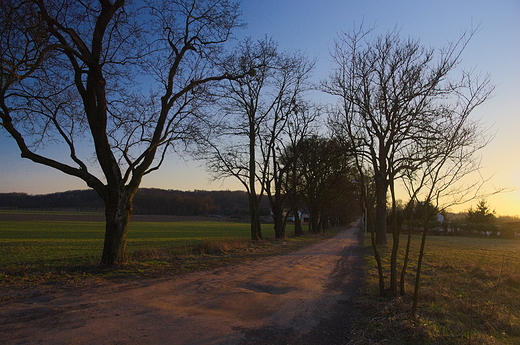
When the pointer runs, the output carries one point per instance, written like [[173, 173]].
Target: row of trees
[[409, 123], [266, 137], [135, 81]]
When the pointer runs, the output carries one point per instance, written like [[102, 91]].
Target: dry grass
[[470, 294]]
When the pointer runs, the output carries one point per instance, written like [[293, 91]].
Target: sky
[[311, 27]]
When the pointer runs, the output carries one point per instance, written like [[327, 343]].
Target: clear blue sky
[[311, 26]]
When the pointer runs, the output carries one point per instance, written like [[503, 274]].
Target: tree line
[[136, 81], [147, 201]]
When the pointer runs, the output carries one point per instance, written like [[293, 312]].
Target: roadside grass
[[470, 294], [45, 251]]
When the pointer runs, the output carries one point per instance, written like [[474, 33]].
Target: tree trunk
[[298, 230], [118, 210], [254, 202], [324, 223], [279, 224], [418, 272], [402, 290], [377, 257], [315, 220], [254, 212], [380, 221], [395, 245], [276, 203]]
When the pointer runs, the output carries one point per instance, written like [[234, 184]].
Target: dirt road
[[303, 297]]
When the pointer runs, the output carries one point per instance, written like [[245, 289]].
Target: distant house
[[304, 217]]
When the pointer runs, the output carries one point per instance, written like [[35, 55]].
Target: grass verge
[[50, 252], [470, 294]]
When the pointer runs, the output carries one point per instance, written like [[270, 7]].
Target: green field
[[30, 243]]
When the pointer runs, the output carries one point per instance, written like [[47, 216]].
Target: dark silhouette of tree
[[300, 127], [392, 91], [124, 78], [396, 106], [298, 122], [443, 178], [245, 144], [325, 180], [482, 214]]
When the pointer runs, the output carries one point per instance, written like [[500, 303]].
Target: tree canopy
[[481, 214], [122, 78], [396, 98]]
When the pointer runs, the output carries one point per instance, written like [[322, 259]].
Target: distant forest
[[147, 201]]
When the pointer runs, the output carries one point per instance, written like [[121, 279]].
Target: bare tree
[[293, 119], [122, 78], [393, 93], [256, 111], [324, 184], [448, 161], [287, 177]]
